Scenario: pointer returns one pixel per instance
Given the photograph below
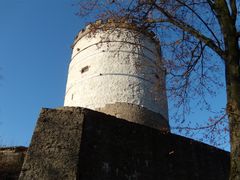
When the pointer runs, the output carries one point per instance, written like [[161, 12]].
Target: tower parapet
[[116, 68]]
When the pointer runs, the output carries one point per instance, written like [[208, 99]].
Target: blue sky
[[35, 40]]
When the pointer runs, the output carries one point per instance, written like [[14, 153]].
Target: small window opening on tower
[[85, 69], [78, 49], [72, 96]]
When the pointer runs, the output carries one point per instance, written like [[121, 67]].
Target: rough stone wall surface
[[76, 143], [120, 150], [55, 145], [11, 160]]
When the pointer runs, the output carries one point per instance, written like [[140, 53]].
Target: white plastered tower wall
[[117, 69]]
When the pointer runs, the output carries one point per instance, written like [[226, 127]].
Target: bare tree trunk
[[233, 109]]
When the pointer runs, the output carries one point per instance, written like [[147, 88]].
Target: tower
[[116, 68]]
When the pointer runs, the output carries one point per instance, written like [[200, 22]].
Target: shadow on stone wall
[[11, 160]]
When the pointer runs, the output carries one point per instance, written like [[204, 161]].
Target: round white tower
[[116, 68]]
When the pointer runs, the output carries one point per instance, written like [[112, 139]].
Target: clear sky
[[35, 40]]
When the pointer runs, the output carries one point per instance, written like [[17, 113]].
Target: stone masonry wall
[[77, 143], [55, 146], [116, 149], [11, 159]]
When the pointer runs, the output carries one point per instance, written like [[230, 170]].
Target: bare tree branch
[[201, 19], [209, 42]]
